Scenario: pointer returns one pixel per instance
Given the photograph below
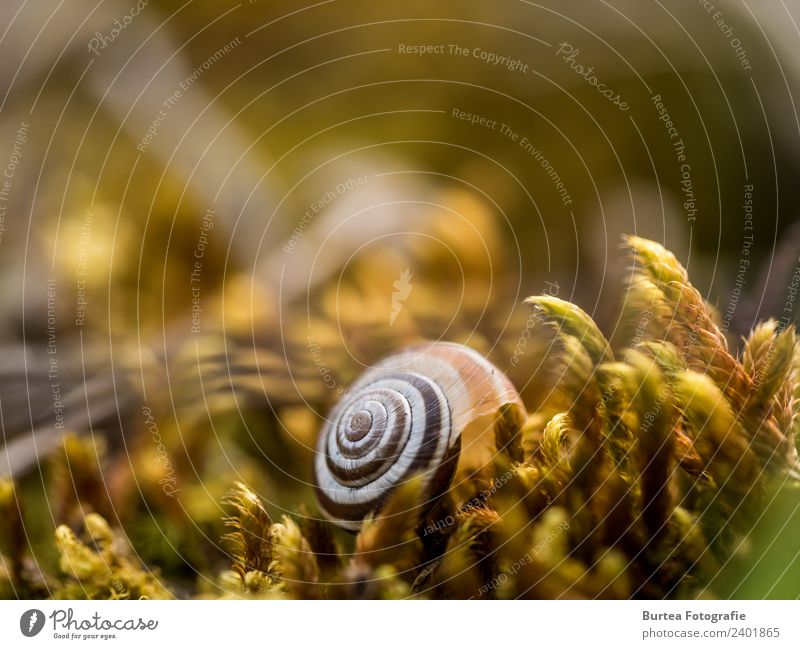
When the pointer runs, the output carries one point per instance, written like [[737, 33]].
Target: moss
[[659, 467], [101, 565]]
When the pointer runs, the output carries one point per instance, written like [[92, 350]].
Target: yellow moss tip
[[573, 321], [655, 260], [251, 538]]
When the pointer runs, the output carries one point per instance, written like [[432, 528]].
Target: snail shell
[[404, 417]]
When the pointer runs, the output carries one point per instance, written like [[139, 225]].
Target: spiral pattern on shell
[[402, 418]]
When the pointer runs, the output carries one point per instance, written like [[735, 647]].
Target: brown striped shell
[[403, 417]]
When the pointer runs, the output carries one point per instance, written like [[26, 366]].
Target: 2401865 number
[[754, 632]]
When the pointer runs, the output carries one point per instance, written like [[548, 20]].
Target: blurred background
[[213, 216]]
